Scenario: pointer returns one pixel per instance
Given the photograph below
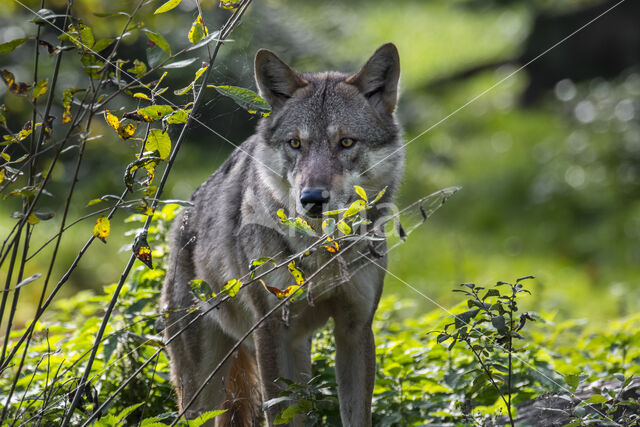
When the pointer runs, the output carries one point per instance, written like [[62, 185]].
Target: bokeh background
[[548, 154]]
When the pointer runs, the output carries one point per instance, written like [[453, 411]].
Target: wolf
[[324, 132]]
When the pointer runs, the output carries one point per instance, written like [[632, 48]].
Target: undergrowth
[[421, 378]]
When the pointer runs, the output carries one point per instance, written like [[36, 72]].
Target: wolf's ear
[[378, 79], [276, 80]]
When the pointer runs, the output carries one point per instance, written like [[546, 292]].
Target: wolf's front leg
[[355, 371], [279, 356]]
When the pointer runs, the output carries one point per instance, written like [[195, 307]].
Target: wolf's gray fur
[[232, 222]]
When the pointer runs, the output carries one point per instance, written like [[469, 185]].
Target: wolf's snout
[[312, 199]]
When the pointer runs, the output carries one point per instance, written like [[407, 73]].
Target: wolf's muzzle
[[312, 200]]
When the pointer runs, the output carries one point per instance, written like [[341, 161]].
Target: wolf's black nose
[[312, 199]]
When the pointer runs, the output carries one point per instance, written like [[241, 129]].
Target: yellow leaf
[[1, 175], [167, 6], [280, 294], [361, 192], [296, 273], [333, 246], [231, 288], [355, 208], [102, 228], [343, 227], [40, 88], [126, 131], [32, 219], [112, 120], [198, 30], [141, 96]]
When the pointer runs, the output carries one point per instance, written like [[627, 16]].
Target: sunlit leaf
[[178, 117], [149, 114], [295, 223], [139, 68], [112, 120], [158, 40], [360, 191], [198, 30], [141, 95], [343, 227], [247, 99], [159, 141], [40, 88], [379, 196], [80, 35], [355, 208], [332, 246], [142, 250], [11, 45], [280, 294], [231, 288], [102, 228], [93, 202], [148, 163], [167, 6], [67, 98], [203, 418], [126, 131], [297, 274], [17, 88], [192, 84], [229, 4]]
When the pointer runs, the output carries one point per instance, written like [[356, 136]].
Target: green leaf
[[178, 117], [355, 208], [191, 85], [149, 114], [360, 191], [102, 44], [597, 399], [500, 324], [247, 99], [40, 88], [379, 196], [201, 289], [167, 6], [328, 226], [463, 319], [198, 422], [159, 41], [198, 30], [139, 68], [11, 45], [80, 35], [231, 288], [289, 413], [573, 381], [159, 141], [297, 274], [343, 227]]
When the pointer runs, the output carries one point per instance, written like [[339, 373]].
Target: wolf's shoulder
[[230, 175]]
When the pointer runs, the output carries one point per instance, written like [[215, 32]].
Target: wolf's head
[[328, 130]]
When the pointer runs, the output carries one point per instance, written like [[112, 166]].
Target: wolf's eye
[[347, 142], [294, 143]]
